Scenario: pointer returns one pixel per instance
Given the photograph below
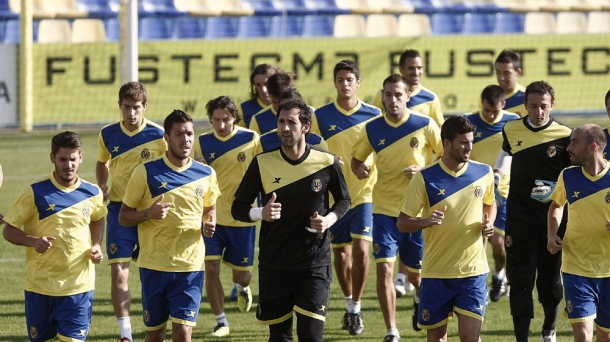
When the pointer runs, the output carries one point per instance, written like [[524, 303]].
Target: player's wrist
[[256, 214], [146, 214]]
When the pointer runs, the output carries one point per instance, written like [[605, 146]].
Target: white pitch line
[[6, 261]]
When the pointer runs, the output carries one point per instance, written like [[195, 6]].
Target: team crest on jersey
[[241, 157], [86, 212], [551, 151], [199, 192], [569, 306], [376, 248], [607, 198], [145, 154], [478, 192], [146, 316], [425, 315], [33, 332], [316, 185], [112, 248], [414, 143], [509, 241]]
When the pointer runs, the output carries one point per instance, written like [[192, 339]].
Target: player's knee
[[310, 329], [242, 277], [414, 278]]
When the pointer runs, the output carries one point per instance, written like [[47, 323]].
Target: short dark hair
[[395, 78], [290, 94], [65, 140], [409, 53], [540, 87], [607, 98], [456, 125], [261, 69], [276, 83], [304, 110], [134, 91], [349, 65], [177, 116], [594, 134], [493, 94], [508, 56], [223, 102]]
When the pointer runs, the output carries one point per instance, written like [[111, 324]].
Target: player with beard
[[259, 96]]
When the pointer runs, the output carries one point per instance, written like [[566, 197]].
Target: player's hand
[[105, 192], [318, 223], [542, 191], [487, 227], [437, 217], [362, 171], [272, 211], [410, 171], [96, 254], [498, 197], [209, 227], [555, 244], [608, 224], [158, 210], [43, 244]]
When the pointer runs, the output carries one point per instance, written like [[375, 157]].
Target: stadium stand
[[220, 27], [445, 23], [54, 31], [349, 25], [38, 11], [571, 22], [477, 23], [292, 7], [153, 28], [381, 25], [97, 9], [317, 26], [187, 28], [325, 7], [67, 9], [113, 31], [252, 27], [539, 23], [6, 12], [358, 7], [282, 26], [88, 31], [599, 22], [506, 23], [262, 7], [414, 25], [394, 6], [161, 8]]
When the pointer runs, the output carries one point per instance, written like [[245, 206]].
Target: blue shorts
[[356, 224], [170, 295], [440, 297], [500, 222], [237, 244], [68, 317], [121, 242], [388, 242], [587, 299]]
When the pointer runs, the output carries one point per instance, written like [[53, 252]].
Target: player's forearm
[[341, 206], [356, 166], [101, 173], [96, 229], [16, 236], [129, 217], [408, 224], [503, 162], [491, 211], [554, 218], [240, 210], [209, 214]]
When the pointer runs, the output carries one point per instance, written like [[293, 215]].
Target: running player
[[259, 97], [508, 70], [266, 120]]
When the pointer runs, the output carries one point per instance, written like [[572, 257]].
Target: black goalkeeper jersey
[[302, 187]]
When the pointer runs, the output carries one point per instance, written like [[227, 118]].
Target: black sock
[[522, 328], [550, 317]]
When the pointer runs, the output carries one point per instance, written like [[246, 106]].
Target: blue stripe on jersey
[[440, 184], [517, 99], [50, 200], [267, 121], [486, 129], [117, 142], [331, 121], [248, 109], [161, 178], [212, 148], [272, 141], [382, 135], [607, 149], [422, 97], [578, 186]]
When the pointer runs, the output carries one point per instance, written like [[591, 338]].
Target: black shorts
[[305, 291]]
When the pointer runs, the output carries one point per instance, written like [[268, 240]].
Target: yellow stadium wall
[[78, 83]]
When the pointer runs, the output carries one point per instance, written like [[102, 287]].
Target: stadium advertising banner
[[8, 85], [78, 83]]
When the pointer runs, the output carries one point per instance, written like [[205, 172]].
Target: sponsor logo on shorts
[[316, 185], [509, 241], [241, 157], [376, 248], [199, 192], [569, 306], [322, 308], [145, 154], [86, 212], [478, 192], [112, 248], [33, 332], [146, 316], [414, 143], [82, 332], [551, 151], [425, 315]]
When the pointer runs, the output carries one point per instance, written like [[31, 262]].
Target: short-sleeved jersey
[[229, 156], [247, 109], [454, 249], [488, 142], [412, 141], [264, 121], [125, 150], [586, 244], [607, 149], [515, 101], [47, 208], [173, 244], [341, 129], [422, 100], [538, 153], [271, 141], [302, 187]]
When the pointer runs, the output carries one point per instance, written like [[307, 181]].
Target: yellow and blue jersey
[[412, 141], [586, 244], [515, 101], [453, 249], [341, 129], [488, 142], [271, 140], [47, 208], [125, 150], [229, 156], [422, 100], [264, 121], [248, 109], [173, 244]]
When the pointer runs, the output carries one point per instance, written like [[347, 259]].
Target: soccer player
[[606, 130], [229, 149], [489, 122], [122, 146], [421, 100], [340, 123], [508, 70], [259, 97], [457, 198], [402, 142], [172, 199], [585, 188], [59, 219], [294, 260], [266, 120], [537, 144]]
